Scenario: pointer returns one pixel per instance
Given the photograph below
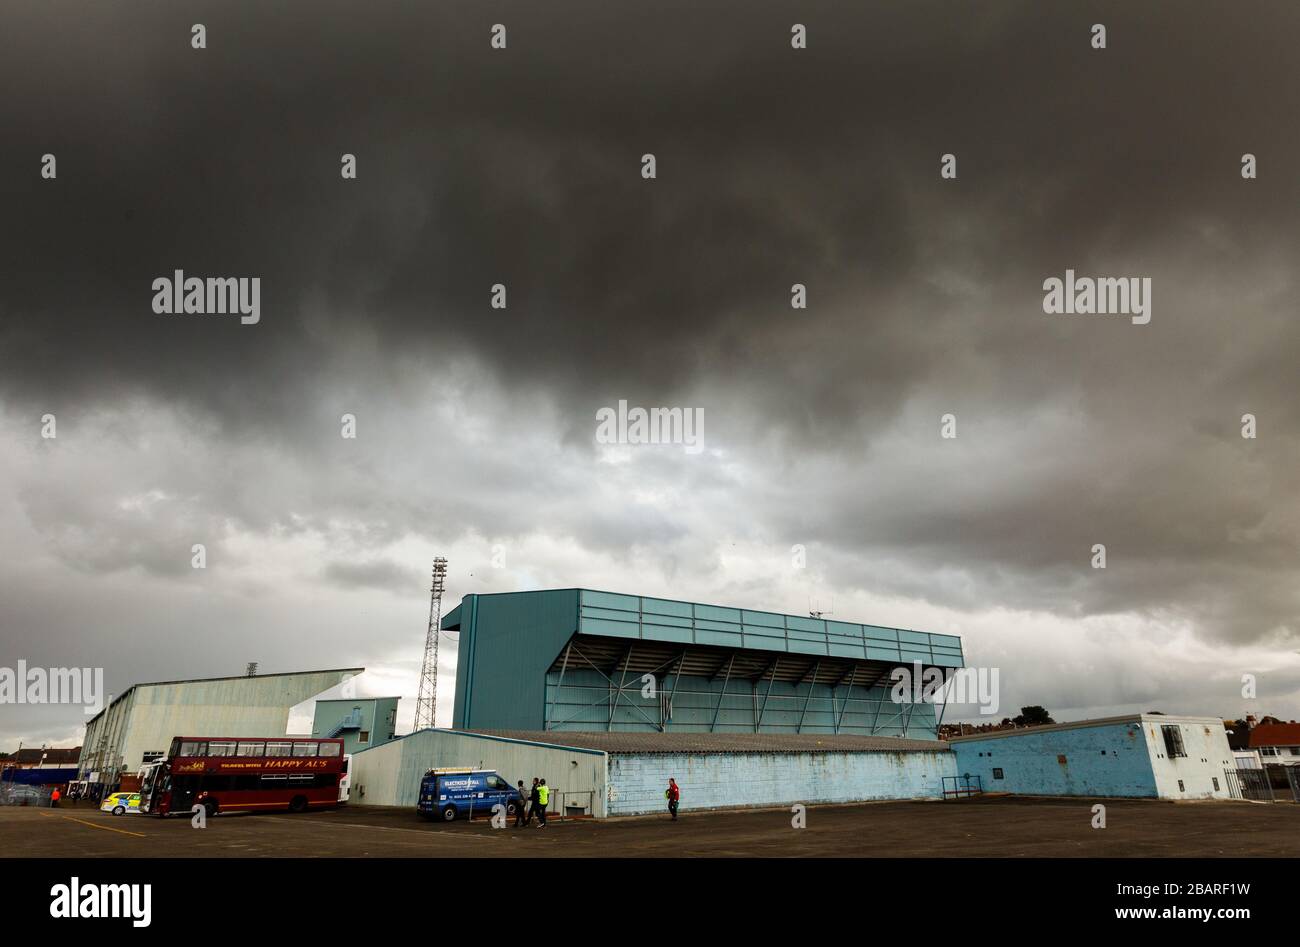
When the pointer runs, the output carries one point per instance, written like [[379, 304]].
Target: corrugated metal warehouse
[[143, 720], [1139, 755], [581, 660], [389, 775]]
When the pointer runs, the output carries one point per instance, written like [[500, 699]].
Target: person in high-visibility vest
[[543, 798]]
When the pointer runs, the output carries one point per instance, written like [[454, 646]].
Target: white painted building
[[1136, 755]]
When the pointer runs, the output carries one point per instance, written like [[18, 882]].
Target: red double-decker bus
[[244, 774]]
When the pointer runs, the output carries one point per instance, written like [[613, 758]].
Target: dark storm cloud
[[520, 167], [376, 574], [820, 167]]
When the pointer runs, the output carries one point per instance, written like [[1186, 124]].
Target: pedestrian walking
[[521, 807], [532, 802], [543, 800], [54, 798], [673, 795]]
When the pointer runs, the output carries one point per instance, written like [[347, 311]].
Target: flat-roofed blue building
[[582, 660]]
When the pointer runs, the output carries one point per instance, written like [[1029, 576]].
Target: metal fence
[[1249, 784], [19, 794], [1293, 779], [959, 787]]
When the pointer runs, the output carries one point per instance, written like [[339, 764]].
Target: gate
[[1293, 777], [1249, 784], [959, 787]]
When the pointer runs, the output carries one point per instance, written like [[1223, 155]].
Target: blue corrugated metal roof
[[611, 614], [614, 614]]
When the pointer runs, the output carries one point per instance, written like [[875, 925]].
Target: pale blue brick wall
[[730, 780], [1107, 760]]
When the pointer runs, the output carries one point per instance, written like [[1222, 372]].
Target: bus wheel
[[210, 807], [298, 804], [449, 814]]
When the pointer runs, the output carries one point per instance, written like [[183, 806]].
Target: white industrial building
[[139, 725], [390, 775], [1137, 755]]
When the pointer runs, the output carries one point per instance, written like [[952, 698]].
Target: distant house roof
[[31, 756], [681, 743], [1275, 734]]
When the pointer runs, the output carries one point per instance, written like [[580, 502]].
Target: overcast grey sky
[[476, 427]]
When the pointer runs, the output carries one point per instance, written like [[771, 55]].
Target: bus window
[[192, 748], [304, 749], [329, 749], [251, 749], [279, 749], [221, 748]]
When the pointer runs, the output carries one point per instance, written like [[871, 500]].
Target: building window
[[1173, 741], [1215, 780], [363, 736], [1181, 788], [150, 757], [997, 772]]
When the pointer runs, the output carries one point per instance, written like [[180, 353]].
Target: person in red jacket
[[54, 797], [672, 794]]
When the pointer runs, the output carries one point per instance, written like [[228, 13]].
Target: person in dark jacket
[[521, 812], [533, 800]]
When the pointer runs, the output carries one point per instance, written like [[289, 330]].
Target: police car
[[120, 803], [452, 793]]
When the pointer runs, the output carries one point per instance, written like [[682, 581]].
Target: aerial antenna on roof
[[819, 612]]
